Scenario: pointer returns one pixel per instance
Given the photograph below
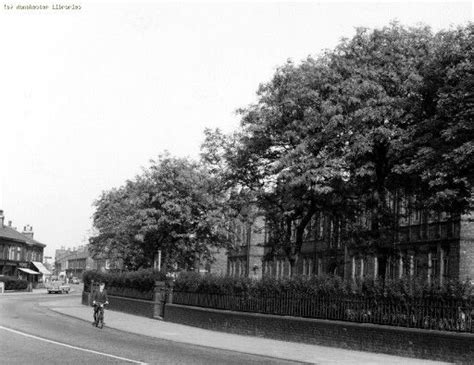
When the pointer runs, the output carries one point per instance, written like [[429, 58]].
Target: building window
[[11, 253], [287, 268], [363, 267], [445, 266], [392, 267], [321, 226], [307, 267], [339, 233], [237, 268], [320, 266], [281, 268], [331, 233], [434, 266]]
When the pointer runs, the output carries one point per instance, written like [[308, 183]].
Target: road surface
[[32, 334]]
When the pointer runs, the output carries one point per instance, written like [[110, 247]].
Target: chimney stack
[[2, 218], [28, 231]]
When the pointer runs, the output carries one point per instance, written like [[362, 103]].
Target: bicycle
[[99, 316]]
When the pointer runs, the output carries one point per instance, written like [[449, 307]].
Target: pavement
[[72, 307], [35, 291]]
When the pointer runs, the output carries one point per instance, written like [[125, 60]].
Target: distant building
[[73, 262], [20, 254]]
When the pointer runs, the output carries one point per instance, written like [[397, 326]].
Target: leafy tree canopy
[[388, 111], [172, 206]]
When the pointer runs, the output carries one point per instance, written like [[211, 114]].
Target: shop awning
[[41, 268], [29, 271]]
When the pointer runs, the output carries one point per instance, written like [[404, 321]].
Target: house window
[[11, 253]]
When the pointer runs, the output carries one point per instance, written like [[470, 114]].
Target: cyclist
[[99, 298]]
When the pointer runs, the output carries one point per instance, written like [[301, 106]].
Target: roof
[[31, 241], [13, 235]]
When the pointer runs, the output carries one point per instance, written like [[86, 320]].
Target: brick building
[[20, 254], [248, 241], [424, 245], [73, 262]]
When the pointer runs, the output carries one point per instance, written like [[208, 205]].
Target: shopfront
[[30, 275], [44, 273]]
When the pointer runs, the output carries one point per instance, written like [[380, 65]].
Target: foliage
[[442, 139], [332, 286], [141, 280], [385, 113], [13, 283], [173, 206]]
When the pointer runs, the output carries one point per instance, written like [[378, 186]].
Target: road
[[32, 334]]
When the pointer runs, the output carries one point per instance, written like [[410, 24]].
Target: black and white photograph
[[236, 182]]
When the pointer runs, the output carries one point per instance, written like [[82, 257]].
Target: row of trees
[[388, 110]]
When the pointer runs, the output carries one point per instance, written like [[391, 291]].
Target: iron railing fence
[[435, 314]]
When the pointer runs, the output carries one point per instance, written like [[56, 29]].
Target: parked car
[[58, 287], [75, 281]]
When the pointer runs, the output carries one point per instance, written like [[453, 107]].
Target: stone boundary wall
[[417, 343]]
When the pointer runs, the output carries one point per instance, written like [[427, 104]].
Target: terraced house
[[20, 254], [422, 244]]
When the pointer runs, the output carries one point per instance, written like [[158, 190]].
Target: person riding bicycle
[[99, 298]]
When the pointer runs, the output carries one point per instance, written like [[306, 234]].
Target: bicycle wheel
[[101, 319], [96, 319]]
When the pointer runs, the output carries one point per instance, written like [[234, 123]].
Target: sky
[[89, 96]]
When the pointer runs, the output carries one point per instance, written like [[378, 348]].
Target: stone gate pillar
[[159, 298]]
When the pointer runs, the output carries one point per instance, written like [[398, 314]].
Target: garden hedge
[[13, 283], [322, 285], [134, 283]]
